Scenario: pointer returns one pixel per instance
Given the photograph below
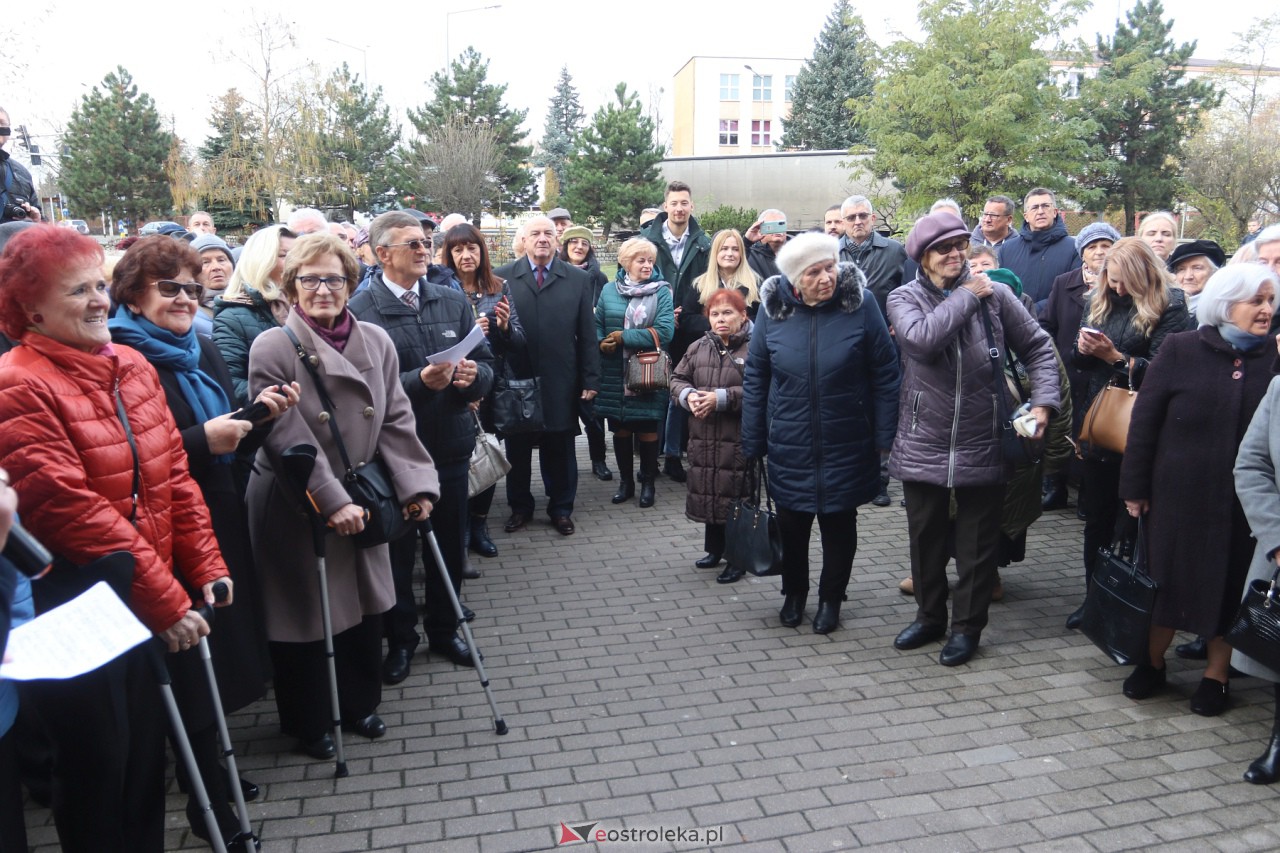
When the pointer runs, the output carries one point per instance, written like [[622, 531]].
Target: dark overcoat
[[1196, 402], [1259, 493], [717, 468], [559, 326]]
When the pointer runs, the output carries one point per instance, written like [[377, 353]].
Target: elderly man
[[833, 222], [995, 228], [1045, 250], [562, 219], [201, 222], [764, 238], [215, 274], [553, 301], [423, 319], [307, 220], [879, 258], [17, 192]]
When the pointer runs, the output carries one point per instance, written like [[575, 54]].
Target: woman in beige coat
[[358, 365]]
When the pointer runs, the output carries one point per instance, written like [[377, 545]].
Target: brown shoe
[[517, 521], [563, 523], [907, 587]]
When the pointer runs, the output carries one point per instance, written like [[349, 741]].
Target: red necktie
[[540, 277]]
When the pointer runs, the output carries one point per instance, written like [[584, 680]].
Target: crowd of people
[[151, 407]]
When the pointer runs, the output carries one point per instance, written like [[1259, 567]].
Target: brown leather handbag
[[1106, 424], [651, 370]]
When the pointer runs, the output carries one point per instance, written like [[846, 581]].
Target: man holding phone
[[764, 238]]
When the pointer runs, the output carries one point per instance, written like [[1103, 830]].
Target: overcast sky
[[180, 54]]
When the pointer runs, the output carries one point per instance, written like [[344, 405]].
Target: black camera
[[15, 209]]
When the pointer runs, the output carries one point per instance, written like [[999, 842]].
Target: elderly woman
[[467, 254], [818, 399], [1159, 230], [252, 302], [155, 289], [357, 363], [1196, 403], [949, 323], [1192, 264], [216, 267], [708, 384], [100, 469], [629, 308], [1126, 319], [576, 249]]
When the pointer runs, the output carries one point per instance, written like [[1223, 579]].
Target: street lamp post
[[364, 53], [448, 21]]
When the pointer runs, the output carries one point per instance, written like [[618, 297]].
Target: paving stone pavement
[[640, 694]]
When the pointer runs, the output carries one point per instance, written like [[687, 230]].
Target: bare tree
[[453, 166]]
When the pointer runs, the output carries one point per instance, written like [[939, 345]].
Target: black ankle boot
[[792, 612], [1265, 769], [648, 471], [626, 490], [624, 455], [478, 534]]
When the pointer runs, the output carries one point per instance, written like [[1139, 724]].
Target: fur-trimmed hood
[[779, 300]]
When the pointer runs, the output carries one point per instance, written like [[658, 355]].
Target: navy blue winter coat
[[820, 396], [1039, 257]]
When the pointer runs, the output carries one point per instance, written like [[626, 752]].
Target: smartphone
[[253, 413], [779, 227], [1089, 330]]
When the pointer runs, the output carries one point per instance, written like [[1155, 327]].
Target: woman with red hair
[[99, 466], [708, 384]]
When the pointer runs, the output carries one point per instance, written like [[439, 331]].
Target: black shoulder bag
[[369, 486], [517, 403], [1015, 449]]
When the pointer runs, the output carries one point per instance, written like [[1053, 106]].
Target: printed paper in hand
[[460, 350]]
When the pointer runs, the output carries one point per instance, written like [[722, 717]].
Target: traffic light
[[33, 150]]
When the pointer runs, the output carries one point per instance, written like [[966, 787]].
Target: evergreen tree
[[115, 152], [615, 174], [1144, 109], [836, 78], [564, 119], [464, 93], [231, 156], [968, 112]]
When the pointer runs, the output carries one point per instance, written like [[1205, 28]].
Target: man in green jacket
[[684, 251]]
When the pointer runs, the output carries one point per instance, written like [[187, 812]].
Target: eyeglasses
[[960, 245], [1036, 208], [857, 217], [169, 289], [332, 283], [986, 215], [414, 245]]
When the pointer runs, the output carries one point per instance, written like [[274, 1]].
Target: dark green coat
[[612, 402], [235, 326]]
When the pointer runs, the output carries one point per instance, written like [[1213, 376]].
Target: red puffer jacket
[[67, 457]]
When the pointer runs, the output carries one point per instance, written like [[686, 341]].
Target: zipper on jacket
[[955, 419], [814, 418], [915, 410]]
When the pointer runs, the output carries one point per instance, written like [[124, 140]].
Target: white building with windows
[[731, 105]]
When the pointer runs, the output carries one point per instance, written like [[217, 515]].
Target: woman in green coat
[[633, 310], [252, 303]]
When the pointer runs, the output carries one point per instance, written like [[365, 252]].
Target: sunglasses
[[414, 245], [953, 246], [169, 289]]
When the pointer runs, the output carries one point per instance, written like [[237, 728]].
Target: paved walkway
[[641, 694]]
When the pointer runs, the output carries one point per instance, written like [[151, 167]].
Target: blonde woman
[[730, 270], [1159, 230], [252, 302]]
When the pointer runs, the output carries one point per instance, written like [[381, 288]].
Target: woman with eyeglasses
[[576, 249], [252, 302], [466, 253], [156, 294], [102, 474], [357, 364], [948, 321]]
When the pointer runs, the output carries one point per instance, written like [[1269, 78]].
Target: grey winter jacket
[[948, 412]]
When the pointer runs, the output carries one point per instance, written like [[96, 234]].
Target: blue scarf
[[179, 353], [1240, 339]]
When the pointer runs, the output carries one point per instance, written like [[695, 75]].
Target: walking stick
[[298, 462]]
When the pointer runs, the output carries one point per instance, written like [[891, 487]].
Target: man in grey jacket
[[879, 258]]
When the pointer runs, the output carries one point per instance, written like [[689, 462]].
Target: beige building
[[729, 105]]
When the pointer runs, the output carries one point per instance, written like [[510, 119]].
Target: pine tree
[[564, 119], [115, 152], [464, 92], [1144, 109], [615, 174], [830, 83]]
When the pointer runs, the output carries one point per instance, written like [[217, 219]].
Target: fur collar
[[780, 302]]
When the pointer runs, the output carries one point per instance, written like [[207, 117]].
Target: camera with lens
[[14, 209]]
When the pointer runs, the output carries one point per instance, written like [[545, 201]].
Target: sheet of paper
[[460, 350], [77, 637]]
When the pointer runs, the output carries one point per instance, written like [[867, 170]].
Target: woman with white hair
[[1197, 400], [252, 302]]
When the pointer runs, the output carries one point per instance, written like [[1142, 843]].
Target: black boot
[[1053, 493], [624, 455], [792, 612], [478, 530], [1265, 769], [882, 499], [648, 471]]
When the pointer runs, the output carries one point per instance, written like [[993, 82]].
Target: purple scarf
[[337, 336]]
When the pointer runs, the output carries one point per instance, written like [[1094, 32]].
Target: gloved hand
[[611, 343]]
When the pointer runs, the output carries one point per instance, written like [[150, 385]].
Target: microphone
[[26, 552]]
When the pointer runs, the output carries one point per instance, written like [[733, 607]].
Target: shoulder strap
[[993, 351], [325, 399], [133, 450]]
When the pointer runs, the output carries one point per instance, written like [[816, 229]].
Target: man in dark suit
[[553, 301]]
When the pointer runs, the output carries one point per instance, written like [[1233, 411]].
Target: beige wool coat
[[373, 415]]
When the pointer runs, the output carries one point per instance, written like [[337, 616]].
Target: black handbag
[[1015, 449], [517, 403], [369, 486], [1256, 629], [751, 538], [1118, 606]]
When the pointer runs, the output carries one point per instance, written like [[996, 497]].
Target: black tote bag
[[751, 538], [1118, 606]]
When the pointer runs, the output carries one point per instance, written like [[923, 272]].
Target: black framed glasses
[[961, 245], [169, 289], [332, 283], [414, 245], [989, 215]]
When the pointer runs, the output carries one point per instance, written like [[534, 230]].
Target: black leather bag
[[1118, 606], [1256, 629], [517, 403], [751, 538], [369, 485]]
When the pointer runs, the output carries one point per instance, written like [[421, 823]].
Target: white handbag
[[488, 463]]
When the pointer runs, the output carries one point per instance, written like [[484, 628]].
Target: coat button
[[1236, 375], [315, 360], [1237, 362], [324, 417], [368, 411]]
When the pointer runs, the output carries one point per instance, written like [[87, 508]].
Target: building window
[[728, 87], [760, 134], [762, 87], [728, 131], [789, 85]]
